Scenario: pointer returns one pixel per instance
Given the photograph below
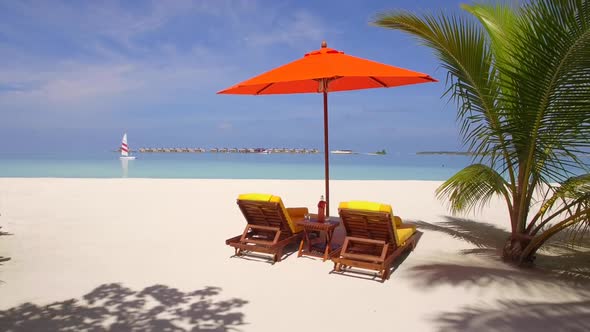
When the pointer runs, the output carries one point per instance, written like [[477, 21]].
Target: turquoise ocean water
[[233, 166]]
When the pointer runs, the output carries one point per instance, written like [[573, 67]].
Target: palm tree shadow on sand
[[558, 258], [520, 316], [2, 258], [113, 307], [560, 266]]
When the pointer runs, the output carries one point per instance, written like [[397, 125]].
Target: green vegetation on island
[[382, 152], [519, 77]]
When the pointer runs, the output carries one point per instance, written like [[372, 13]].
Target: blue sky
[[76, 74]]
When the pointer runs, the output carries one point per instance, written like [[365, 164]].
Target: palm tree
[[521, 79]]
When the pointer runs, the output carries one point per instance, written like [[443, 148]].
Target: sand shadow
[[558, 258], [519, 316], [558, 267], [2, 258], [485, 273], [487, 238], [113, 307]]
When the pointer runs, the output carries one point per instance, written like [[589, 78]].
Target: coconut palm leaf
[[569, 198], [498, 20], [580, 217], [547, 82], [473, 187], [461, 46]]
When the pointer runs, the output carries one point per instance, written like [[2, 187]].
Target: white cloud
[[71, 85], [225, 126], [106, 58]]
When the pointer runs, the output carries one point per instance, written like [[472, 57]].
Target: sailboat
[[125, 149]]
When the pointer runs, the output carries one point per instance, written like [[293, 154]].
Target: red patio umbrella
[[327, 70]]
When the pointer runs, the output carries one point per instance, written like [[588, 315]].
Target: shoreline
[[241, 180]]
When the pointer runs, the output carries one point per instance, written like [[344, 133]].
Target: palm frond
[[473, 187], [498, 20], [580, 216], [568, 199], [461, 46], [547, 84]]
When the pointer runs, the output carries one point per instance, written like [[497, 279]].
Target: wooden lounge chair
[[374, 237], [270, 226]]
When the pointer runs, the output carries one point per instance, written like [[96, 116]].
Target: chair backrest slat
[[368, 225], [265, 214]]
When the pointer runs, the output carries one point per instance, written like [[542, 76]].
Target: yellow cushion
[[255, 197], [371, 206], [275, 199], [403, 234], [367, 206], [401, 231]]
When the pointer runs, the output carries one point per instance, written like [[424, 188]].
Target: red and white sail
[[124, 146]]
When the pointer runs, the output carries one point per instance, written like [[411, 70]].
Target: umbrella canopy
[[327, 70]]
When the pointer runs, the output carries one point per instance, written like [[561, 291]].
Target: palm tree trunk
[[518, 239], [515, 247]]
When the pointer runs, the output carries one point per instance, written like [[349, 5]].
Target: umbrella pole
[[326, 154]]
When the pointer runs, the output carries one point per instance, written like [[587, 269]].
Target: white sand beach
[[69, 236]]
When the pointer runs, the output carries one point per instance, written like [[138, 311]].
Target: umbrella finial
[[324, 44]]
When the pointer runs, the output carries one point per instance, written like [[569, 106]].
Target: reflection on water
[[124, 167]]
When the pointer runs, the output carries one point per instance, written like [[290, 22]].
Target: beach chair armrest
[[266, 228], [364, 257], [245, 239]]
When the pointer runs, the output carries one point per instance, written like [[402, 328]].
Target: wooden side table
[[312, 225]]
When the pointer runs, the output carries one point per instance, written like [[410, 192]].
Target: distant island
[[456, 153]]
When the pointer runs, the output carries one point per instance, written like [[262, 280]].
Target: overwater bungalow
[[227, 150]]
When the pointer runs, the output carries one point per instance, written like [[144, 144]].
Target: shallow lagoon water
[[234, 166]]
